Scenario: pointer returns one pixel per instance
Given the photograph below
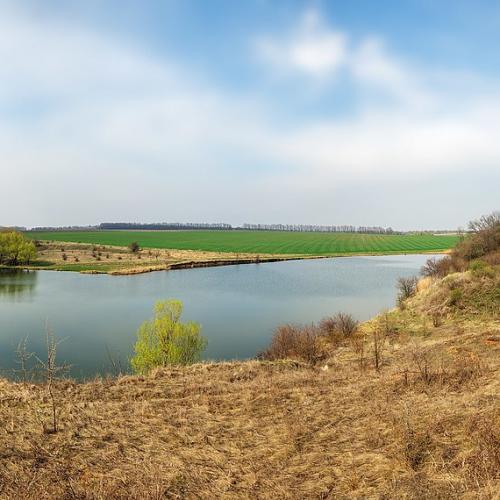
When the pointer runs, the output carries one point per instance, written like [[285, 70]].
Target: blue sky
[[361, 112]]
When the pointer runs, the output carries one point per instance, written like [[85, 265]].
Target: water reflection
[[16, 284]]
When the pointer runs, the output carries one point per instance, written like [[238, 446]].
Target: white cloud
[[320, 53], [312, 50]]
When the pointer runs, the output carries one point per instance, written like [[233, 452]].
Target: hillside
[[425, 425]]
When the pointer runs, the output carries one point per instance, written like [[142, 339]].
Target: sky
[[265, 111]]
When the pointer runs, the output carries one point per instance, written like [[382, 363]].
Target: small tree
[[134, 247], [15, 249], [164, 340], [407, 287]]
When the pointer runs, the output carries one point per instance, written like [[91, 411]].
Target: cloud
[[312, 50], [320, 53], [94, 128]]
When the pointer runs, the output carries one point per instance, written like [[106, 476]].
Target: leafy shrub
[[295, 342], [164, 340]]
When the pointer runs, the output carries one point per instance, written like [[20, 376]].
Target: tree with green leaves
[[15, 249], [165, 340]]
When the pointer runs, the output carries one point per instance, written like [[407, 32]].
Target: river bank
[[120, 261]]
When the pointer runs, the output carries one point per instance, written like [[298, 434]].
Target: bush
[[134, 247], [164, 340], [437, 268], [407, 288], [15, 249], [342, 324], [484, 238], [295, 342]]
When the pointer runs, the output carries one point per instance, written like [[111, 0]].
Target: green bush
[[164, 340]]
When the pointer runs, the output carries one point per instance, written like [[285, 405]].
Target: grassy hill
[[426, 424], [265, 242]]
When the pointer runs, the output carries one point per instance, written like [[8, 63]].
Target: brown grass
[[425, 425], [94, 259]]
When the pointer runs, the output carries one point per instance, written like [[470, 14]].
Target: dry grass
[[87, 258], [425, 425]]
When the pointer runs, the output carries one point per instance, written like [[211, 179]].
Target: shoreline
[[202, 263]]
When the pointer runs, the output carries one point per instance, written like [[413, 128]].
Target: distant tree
[[134, 247], [15, 249], [164, 340]]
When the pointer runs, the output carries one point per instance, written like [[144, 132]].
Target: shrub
[[64, 257], [295, 342], [165, 340], [437, 268], [492, 259], [407, 288], [342, 323], [484, 238], [134, 247]]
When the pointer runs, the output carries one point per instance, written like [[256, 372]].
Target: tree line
[[319, 229], [222, 226], [159, 226]]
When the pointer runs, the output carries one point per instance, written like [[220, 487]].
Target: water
[[237, 306]]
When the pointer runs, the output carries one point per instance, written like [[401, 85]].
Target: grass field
[[265, 242]]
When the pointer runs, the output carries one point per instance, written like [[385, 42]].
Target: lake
[[237, 306]]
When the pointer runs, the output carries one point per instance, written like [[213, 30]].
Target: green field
[[261, 242]]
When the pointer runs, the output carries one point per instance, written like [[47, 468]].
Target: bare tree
[[485, 222], [407, 287], [23, 356], [50, 372]]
